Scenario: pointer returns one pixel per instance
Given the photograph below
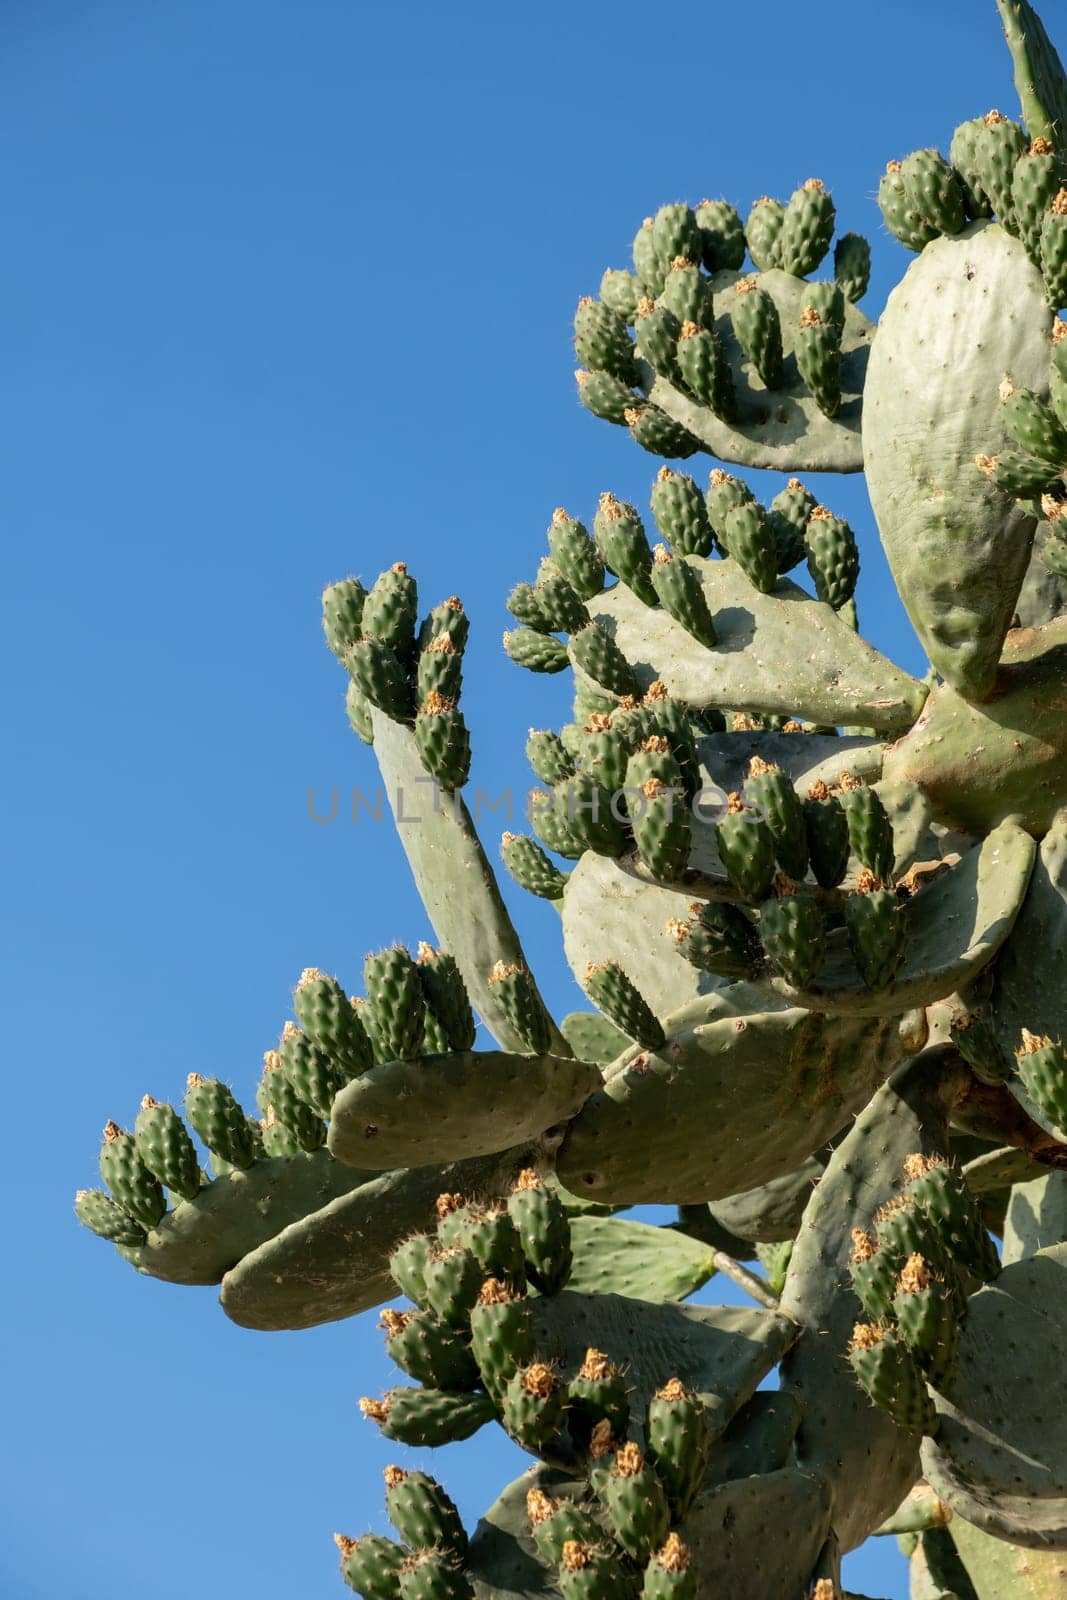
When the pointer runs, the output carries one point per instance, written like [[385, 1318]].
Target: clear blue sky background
[[287, 293]]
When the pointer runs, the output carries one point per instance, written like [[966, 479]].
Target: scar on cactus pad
[[766, 1043]]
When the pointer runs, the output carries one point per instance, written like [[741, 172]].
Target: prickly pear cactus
[[819, 911]]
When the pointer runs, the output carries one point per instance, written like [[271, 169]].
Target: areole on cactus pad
[[817, 909]]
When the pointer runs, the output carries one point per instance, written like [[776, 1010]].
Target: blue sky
[[287, 295]]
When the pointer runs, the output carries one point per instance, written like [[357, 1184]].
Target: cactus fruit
[[818, 907]]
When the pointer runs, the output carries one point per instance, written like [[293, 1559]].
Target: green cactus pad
[[783, 428], [453, 876], [592, 1037], [832, 677], [411, 1113], [616, 1256], [334, 1262], [970, 310], [999, 1458], [772, 1212], [766, 1530], [759, 1438], [632, 1142], [841, 1430], [999, 1573], [1039, 75]]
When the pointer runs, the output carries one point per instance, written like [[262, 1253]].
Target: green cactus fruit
[[687, 293], [430, 1350], [605, 396], [621, 291], [1034, 185], [620, 537], [358, 711], [636, 1504], [391, 609], [277, 1139], [828, 300], [749, 538], [659, 816], [559, 601], [164, 1145], [592, 1572], [369, 1022], [670, 1574], [380, 678], [1018, 475], [649, 267], [428, 1417], [874, 1275], [985, 158], [721, 939], [818, 353], [788, 515], [515, 992], [656, 332], [833, 557], [703, 370], [933, 191], [492, 1237], [722, 237], [903, 1229], [870, 831], [537, 652], [926, 1316], [941, 1193], [852, 265], [758, 330], [681, 594], [434, 1038], [828, 839], [723, 494], [453, 1279], [681, 514], [391, 980], [602, 342], [678, 1444], [315, 1077], [544, 1231], [433, 1575], [439, 670], [898, 213], [548, 757], [132, 1185], [763, 230], [877, 933], [600, 658], [671, 719], [590, 810], [1034, 426], [549, 822], [769, 792], [597, 1398], [746, 847], [576, 555], [976, 1040], [329, 1019], [531, 867], [613, 993], [534, 1406], [447, 618], [892, 1377], [659, 434], [807, 228], [793, 933], [97, 1211], [964, 152], [342, 614], [555, 1523], [407, 1267], [1042, 1068], [371, 1565], [289, 1107], [676, 233], [422, 1513], [502, 1337], [443, 741], [445, 994], [604, 752]]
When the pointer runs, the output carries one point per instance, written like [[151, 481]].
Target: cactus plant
[[819, 908]]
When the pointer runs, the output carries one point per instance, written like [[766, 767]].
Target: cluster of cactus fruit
[[818, 907]]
